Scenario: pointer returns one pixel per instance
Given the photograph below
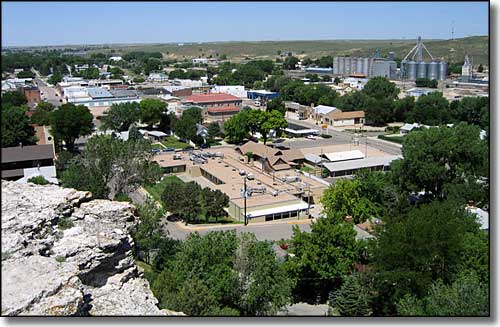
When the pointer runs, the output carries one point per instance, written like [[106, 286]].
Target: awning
[[276, 210]]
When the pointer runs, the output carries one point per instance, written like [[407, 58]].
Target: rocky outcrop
[[65, 254]]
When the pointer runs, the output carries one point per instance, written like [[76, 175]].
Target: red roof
[[211, 97], [224, 109]]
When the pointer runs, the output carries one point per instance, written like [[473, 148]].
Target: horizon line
[[230, 41]]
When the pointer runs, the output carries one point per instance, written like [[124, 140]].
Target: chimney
[[348, 218]]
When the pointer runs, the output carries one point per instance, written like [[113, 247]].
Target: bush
[[326, 136], [60, 258], [38, 180], [65, 223]]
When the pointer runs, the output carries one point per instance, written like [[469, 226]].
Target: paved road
[[270, 231], [48, 92], [339, 137]]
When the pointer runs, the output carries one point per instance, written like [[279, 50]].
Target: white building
[[115, 58], [157, 77], [236, 90]]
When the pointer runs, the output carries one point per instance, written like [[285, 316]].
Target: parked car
[[242, 172], [177, 157], [188, 148], [169, 149], [278, 140], [311, 137], [250, 177], [204, 146]]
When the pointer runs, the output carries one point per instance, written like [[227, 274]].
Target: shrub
[[39, 180], [326, 136], [60, 258], [65, 223]]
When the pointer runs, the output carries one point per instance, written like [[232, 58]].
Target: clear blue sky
[[61, 23]]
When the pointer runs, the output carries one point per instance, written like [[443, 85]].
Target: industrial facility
[[414, 66]]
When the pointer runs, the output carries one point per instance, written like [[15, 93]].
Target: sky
[[65, 23]]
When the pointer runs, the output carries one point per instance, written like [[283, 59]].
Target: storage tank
[[412, 71], [366, 66], [354, 65], [433, 70], [422, 69], [347, 61], [341, 65], [443, 70], [403, 69], [335, 68], [359, 65]]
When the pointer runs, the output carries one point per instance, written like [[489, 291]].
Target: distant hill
[[450, 50]]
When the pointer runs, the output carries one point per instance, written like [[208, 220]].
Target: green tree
[[148, 232], [120, 116], [214, 130], [466, 296], [16, 127], [290, 63], [13, 98], [321, 257], [345, 198], [214, 202], [109, 166], [471, 110], [185, 127], [41, 116], [236, 128], [403, 108], [435, 157], [381, 88], [352, 299], [273, 120], [423, 246], [150, 111], [69, 122], [55, 78], [431, 109]]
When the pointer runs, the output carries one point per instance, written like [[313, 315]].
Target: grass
[[171, 141], [477, 46], [394, 139], [122, 197], [157, 146], [147, 268], [214, 143], [156, 190], [306, 169]]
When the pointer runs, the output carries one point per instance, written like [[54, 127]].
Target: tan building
[[347, 118], [271, 159]]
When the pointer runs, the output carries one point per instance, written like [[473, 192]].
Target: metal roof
[[301, 131], [323, 110], [360, 163], [293, 207], [313, 158], [344, 155], [27, 152], [97, 93]]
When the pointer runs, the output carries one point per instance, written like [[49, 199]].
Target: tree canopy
[[68, 122]]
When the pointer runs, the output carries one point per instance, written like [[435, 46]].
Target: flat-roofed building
[[343, 155], [350, 167], [215, 106], [16, 160]]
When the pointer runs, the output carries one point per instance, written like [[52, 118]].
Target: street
[[268, 231], [48, 92]]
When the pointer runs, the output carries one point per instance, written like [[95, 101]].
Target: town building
[[236, 90], [351, 167], [177, 91], [269, 158], [32, 94], [157, 77], [215, 106], [22, 161], [262, 95]]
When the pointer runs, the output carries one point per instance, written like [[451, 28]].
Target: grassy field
[[171, 141], [157, 189], [395, 139], [450, 50]]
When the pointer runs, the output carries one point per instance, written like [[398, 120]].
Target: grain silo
[[443, 70], [359, 65], [433, 70], [422, 69], [366, 66], [412, 70], [347, 70]]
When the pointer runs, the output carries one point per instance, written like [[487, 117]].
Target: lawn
[[157, 146], [157, 189], [306, 169], [171, 141], [395, 139]]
